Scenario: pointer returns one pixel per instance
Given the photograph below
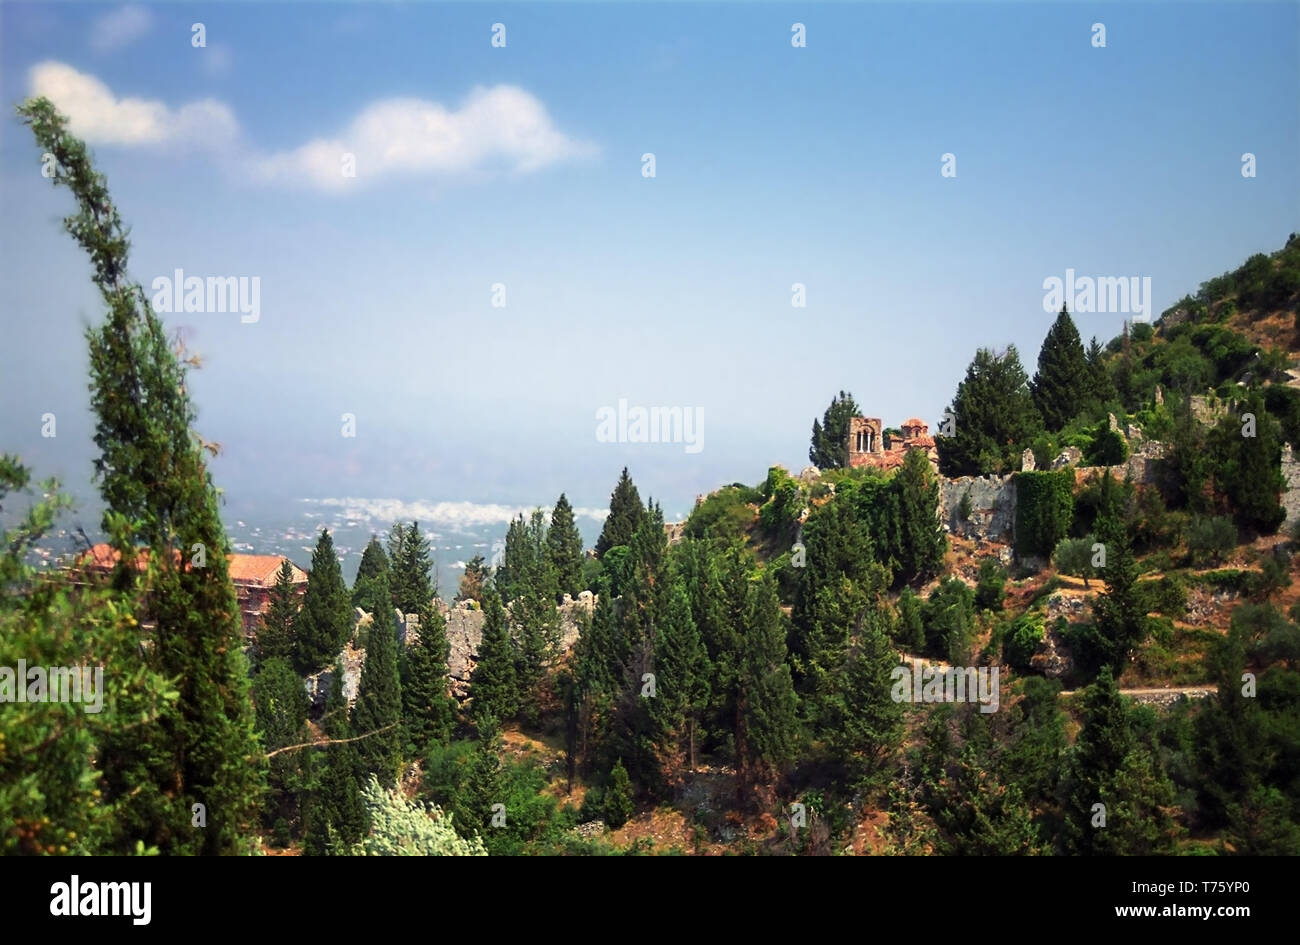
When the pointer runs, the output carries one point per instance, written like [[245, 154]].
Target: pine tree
[[1099, 389], [830, 435], [837, 586], [483, 781], [527, 580], [202, 747], [374, 561], [493, 686], [1247, 466], [1109, 766], [564, 549], [868, 727], [923, 543], [275, 641], [682, 677], [281, 708], [324, 623], [334, 817], [766, 729], [1121, 611], [994, 417], [625, 515], [1061, 386], [618, 806], [378, 709], [411, 583], [427, 709], [981, 816]]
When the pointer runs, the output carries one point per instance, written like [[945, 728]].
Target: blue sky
[[774, 165]]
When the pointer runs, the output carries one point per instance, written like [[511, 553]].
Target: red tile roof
[[244, 569]]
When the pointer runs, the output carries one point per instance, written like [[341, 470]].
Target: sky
[[517, 174]]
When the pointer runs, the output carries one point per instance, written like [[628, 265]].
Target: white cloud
[[120, 28], [503, 126], [96, 114], [452, 515]]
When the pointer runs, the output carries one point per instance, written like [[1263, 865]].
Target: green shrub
[[1022, 640], [992, 585], [618, 797], [1209, 539], [1044, 509], [401, 827], [784, 501], [1108, 447], [1167, 596], [1074, 556], [726, 514], [909, 624], [1229, 579], [950, 620], [1274, 575]]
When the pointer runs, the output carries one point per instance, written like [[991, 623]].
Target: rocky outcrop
[[319, 685], [1290, 498], [992, 506], [464, 622]]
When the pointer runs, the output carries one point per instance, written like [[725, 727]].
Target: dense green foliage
[[1044, 510], [689, 685], [324, 623], [830, 435], [200, 747], [378, 709], [994, 417], [275, 639], [625, 515], [1061, 385]]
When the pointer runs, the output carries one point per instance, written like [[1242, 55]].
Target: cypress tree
[[1247, 450], [618, 803], [994, 417], [682, 676], [200, 748], [483, 781], [378, 709], [1062, 384], [1111, 767], [564, 549], [374, 561], [830, 435], [493, 686], [410, 572], [427, 708], [275, 641], [1100, 389], [396, 554], [324, 623], [281, 708], [625, 515], [869, 724], [526, 580], [1121, 611], [766, 729], [923, 543], [335, 817]]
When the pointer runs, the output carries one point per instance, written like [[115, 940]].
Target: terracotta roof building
[[871, 445], [253, 576]]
